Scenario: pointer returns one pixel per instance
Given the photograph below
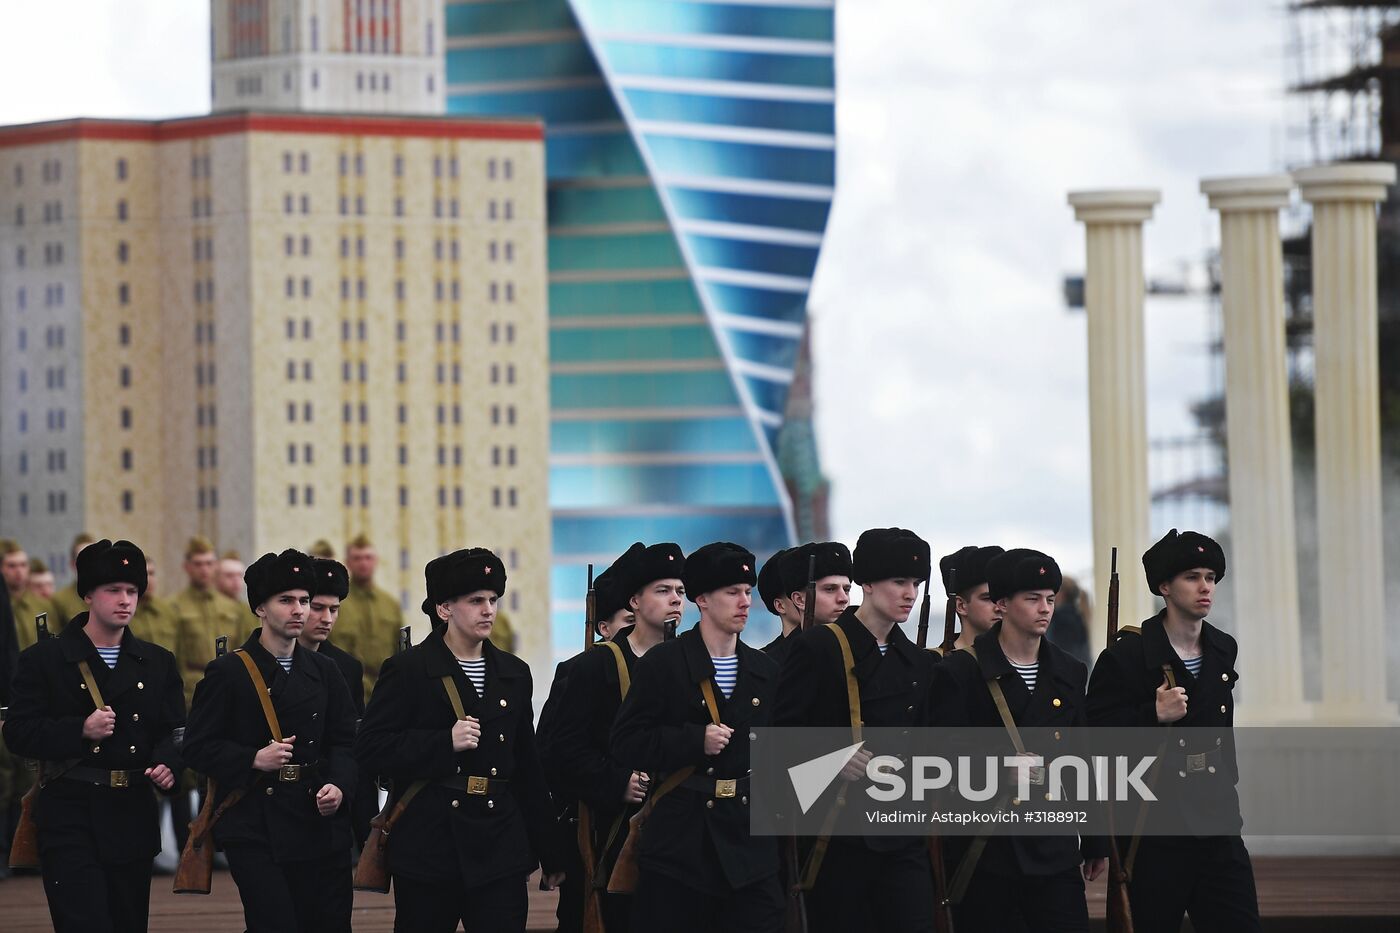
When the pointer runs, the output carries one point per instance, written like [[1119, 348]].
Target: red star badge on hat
[[125, 561], [746, 568], [296, 570], [1042, 571], [486, 569], [1201, 549]]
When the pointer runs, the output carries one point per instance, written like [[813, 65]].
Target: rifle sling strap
[[624, 676], [41, 779], [264, 696], [819, 847], [963, 876]]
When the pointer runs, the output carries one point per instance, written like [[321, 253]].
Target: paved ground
[[1295, 894]]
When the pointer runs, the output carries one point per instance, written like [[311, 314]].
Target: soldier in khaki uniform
[[66, 602], [41, 582], [370, 618], [229, 579], [204, 614], [14, 564], [155, 619]]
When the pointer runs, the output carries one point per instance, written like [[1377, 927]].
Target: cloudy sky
[[951, 379]]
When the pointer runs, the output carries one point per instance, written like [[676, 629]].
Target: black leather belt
[[476, 786], [720, 788], [103, 778]]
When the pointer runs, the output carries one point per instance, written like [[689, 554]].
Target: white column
[[1347, 405], [1113, 299], [1263, 571]]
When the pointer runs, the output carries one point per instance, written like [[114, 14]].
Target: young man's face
[[1028, 612], [200, 569], [1191, 593], [41, 584], [321, 617], [727, 608], [285, 613], [230, 578], [893, 598], [833, 596], [977, 610], [615, 623], [15, 569], [112, 604], [361, 562], [472, 614], [659, 602]]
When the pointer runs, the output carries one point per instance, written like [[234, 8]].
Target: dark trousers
[[88, 897], [858, 889], [663, 903], [1211, 879], [1023, 904], [438, 906], [309, 896]]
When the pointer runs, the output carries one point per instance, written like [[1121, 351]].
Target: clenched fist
[[274, 754], [466, 733], [1171, 703], [100, 724], [716, 738]]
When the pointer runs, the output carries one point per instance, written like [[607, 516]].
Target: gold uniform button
[[135, 717], [503, 704], [709, 804], [493, 772], [755, 701], [268, 791], [140, 686], [1225, 677], [490, 804], [456, 803], [1222, 707], [1055, 702]]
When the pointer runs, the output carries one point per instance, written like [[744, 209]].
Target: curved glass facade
[[691, 162]]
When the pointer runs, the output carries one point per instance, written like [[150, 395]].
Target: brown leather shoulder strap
[[1003, 710], [676, 777], [848, 663], [402, 804], [1170, 675], [91, 684], [624, 676], [707, 687], [454, 696], [260, 686]]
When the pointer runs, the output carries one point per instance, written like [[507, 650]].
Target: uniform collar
[[439, 660], [993, 661]]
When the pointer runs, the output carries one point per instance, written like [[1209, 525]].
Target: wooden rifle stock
[[590, 613], [24, 848], [950, 614], [809, 593], [195, 873], [925, 608], [1118, 915], [623, 879]]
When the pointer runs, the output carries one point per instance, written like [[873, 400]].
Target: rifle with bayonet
[[942, 907], [1118, 916], [195, 872], [405, 639], [795, 913], [24, 848], [588, 856]]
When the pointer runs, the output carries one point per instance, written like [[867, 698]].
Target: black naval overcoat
[[445, 833], [227, 728], [661, 729], [48, 706]]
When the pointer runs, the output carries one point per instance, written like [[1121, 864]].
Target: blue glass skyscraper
[[691, 164]]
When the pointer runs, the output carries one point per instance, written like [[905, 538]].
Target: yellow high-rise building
[[269, 328]]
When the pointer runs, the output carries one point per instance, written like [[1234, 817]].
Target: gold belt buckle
[[726, 788], [1196, 762], [478, 785], [119, 779], [289, 774]]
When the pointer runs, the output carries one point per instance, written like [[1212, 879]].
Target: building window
[[286, 163], [309, 494], [124, 335], [125, 418], [124, 377], [291, 495], [127, 501], [123, 252], [123, 294], [126, 459]]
